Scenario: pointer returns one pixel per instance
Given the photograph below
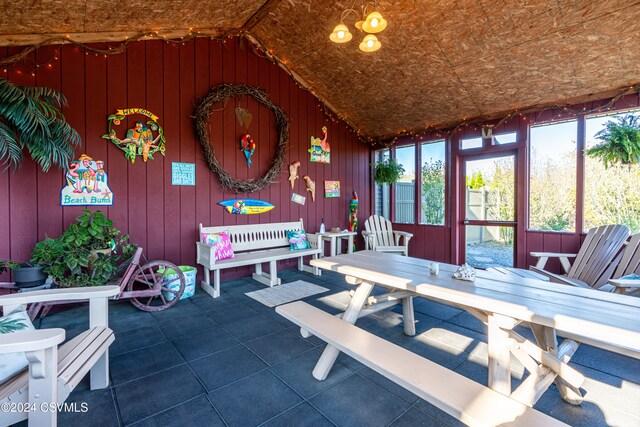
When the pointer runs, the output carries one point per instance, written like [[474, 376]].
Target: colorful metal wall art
[[320, 149], [144, 139], [86, 184]]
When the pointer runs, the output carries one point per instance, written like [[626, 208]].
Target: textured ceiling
[[441, 60]]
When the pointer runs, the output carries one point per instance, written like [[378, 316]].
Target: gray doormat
[[285, 293]]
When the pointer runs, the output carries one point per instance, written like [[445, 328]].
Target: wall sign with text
[[183, 173]]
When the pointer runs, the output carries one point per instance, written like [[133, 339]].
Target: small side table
[[335, 241]]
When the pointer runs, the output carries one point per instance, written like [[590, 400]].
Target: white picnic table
[[602, 319]]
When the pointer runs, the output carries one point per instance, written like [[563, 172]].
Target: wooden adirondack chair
[[380, 236], [629, 264], [54, 372], [595, 261]]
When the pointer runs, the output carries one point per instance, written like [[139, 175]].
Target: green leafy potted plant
[[30, 117], [387, 171], [25, 275], [620, 142], [86, 254]]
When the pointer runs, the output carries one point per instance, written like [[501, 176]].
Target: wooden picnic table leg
[[499, 355], [330, 353], [547, 340], [408, 316]]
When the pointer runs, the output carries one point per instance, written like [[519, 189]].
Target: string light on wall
[[369, 21]]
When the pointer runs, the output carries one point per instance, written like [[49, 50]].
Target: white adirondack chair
[[595, 261], [380, 236], [629, 264], [54, 372]]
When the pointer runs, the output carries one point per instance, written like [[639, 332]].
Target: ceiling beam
[[259, 14], [107, 36]]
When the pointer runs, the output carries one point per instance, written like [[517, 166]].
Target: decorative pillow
[[220, 243], [12, 363], [298, 240], [631, 277]]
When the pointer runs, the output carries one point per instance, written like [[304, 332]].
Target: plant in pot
[[620, 142], [86, 254], [25, 274], [387, 171]]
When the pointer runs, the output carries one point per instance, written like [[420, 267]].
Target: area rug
[[285, 293]]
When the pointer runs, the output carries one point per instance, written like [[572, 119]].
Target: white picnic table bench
[[502, 301], [255, 244]]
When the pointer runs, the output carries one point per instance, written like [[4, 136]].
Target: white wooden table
[[335, 241], [602, 319]]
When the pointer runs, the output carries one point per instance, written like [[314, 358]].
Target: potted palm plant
[[30, 118], [620, 142]]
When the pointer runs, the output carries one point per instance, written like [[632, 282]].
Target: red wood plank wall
[[169, 80], [442, 243]]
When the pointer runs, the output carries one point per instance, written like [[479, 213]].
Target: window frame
[[579, 180], [446, 182]]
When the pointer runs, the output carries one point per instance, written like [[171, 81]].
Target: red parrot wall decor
[[248, 146]]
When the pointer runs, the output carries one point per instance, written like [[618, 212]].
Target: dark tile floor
[[232, 361]]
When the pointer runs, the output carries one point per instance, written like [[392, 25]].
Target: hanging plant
[[30, 117], [387, 171], [620, 142]]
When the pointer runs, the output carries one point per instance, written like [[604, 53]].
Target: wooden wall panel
[[155, 170], [170, 80]]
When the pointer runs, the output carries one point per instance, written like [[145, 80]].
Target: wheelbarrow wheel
[[158, 294]]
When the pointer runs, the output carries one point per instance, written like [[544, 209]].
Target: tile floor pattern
[[233, 362]]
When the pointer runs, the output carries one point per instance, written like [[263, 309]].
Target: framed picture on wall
[[331, 189]]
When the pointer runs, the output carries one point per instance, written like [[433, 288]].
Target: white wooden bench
[[42, 383], [467, 400], [255, 244]]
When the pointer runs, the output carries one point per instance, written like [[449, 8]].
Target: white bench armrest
[[544, 256], [403, 233], [625, 283], [552, 255], [31, 340], [63, 294]]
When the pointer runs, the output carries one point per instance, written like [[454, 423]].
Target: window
[[433, 182], [405, 187], [552, 176], [505, 138], [468, 143], [611, 195], [383, 194]]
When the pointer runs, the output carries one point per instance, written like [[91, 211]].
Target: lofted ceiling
[[441, 61]]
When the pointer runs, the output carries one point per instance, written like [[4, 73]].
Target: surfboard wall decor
[[246, 206]]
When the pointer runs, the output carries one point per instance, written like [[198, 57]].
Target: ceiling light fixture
[[371, 23]]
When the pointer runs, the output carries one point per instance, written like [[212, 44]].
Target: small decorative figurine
[[248, 146], [293, 172], [311, 187], [434, 268], [465, 272], [353, 215]]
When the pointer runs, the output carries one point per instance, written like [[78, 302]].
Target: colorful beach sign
[[246, 206], [86, 184]]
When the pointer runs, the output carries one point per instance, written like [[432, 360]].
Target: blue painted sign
[[183, 173]]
